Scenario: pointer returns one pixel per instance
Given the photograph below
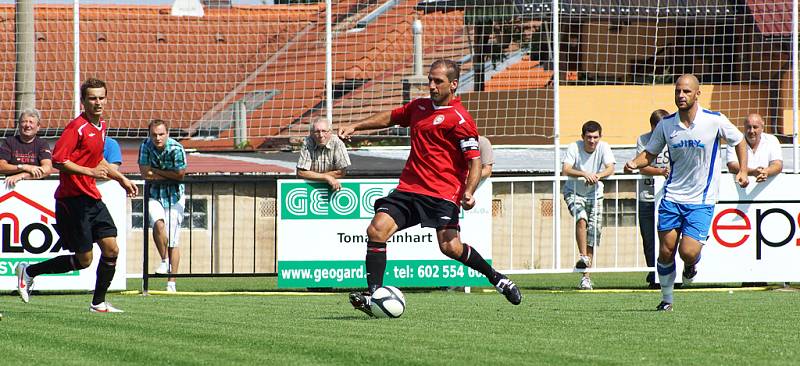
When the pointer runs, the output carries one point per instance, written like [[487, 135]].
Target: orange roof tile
[[182, 69], [525, 74], [177, 79]]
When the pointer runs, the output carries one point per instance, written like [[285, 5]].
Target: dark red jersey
[[443, 140], [81, 143]]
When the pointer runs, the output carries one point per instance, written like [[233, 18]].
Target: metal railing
[[528, 238], [235, 236]]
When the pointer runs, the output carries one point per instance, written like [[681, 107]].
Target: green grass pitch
[[555, 325]]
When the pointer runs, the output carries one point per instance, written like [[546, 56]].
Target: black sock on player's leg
[[105, 273], [376, 264], [60, 264], [472, 259]]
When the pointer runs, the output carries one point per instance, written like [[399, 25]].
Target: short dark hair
[[657, 116], [453, 70], [591, 126], [92, 83], [157, 122]]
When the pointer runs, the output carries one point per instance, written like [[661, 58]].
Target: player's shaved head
[[687, 89], [690, 79]]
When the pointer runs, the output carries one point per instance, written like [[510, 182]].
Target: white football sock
[[666, 275]]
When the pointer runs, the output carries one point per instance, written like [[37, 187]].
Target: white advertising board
[[322, 238], [754, 234], [27, 219]]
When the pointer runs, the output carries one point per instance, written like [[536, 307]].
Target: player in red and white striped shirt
[[442, 172]]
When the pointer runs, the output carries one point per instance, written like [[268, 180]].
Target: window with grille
[[619, 212]]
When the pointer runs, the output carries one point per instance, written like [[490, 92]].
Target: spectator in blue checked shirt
[[162, 162]]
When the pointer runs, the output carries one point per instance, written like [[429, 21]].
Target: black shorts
[[408, 209], [81, 221]]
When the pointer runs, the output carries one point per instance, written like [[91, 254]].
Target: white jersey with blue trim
[[694, 155]]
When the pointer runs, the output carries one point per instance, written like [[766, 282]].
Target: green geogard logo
[[353, 274], [356, 200], [7, 266], [303, 200]]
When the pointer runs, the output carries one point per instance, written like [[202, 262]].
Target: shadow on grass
[[609, 311], [346, 317]]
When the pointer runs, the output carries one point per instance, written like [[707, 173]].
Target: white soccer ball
[[388, 302]]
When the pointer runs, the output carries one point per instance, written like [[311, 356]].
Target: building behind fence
[[233, 224], [263, 68], [251, 77]]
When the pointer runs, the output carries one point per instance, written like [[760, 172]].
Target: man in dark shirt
[[25, 155]]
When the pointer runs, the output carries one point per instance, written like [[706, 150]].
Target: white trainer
[[104, 307], [171, 287], [24, 282], [586, 284], [163, 268]]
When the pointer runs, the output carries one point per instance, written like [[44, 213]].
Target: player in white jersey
[[692, 136]]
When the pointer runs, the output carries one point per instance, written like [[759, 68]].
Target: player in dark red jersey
[[442, 171], [82, 218]]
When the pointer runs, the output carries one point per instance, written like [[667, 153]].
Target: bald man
[[692, 137], [764, 156]]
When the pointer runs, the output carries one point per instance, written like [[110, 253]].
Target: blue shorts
[[692, 220]]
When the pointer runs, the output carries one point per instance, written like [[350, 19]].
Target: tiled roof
[[773, 17], [185, 69], [156, 65], [525, 74], [381, 53], [444, 38]]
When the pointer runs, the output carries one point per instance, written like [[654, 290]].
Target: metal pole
[[328, 63], [556, 138], [239, 124], [242, 122], [25, 42], [511, 230], [76, 49], [145, 239], [795, 85], [416, 30]]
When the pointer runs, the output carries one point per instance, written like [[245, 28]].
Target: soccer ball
[[388, 302]]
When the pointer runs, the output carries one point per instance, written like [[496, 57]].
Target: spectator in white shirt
[[586, 162], [764, 156]]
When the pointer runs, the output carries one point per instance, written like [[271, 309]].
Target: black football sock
[[376, 264], [105, 272], [472, 259], [60, 264]]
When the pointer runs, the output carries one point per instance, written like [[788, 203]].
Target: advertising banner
[[322, 238], [754, 235], [27, 230]]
